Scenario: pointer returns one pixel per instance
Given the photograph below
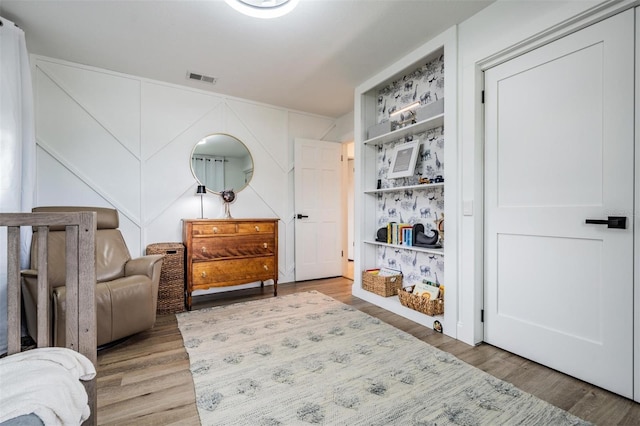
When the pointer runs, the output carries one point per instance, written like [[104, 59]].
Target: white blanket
[[46, 382]]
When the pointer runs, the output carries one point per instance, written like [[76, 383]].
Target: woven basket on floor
[[381, 285], [171, 287], [421, 304]]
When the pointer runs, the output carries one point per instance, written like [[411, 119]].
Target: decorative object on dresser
[[228, 196], [228, 252], [171, 286], [201, 191]]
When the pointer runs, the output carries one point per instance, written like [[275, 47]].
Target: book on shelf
[[383, 272], [388, 272], [400, 234], [426, 289], [407, 235]]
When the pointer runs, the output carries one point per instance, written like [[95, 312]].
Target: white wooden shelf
[[436, 251], [393, 304], [402, 188], [430, 123]]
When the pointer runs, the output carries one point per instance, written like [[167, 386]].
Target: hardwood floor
[[146, 380]]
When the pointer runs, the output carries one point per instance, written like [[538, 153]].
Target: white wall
[[495, 29], [116, 140], [343, 129]]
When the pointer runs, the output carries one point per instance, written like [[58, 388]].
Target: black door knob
[[615, 222], [301, 216]]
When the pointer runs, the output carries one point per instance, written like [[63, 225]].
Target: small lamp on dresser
[[201, 191]]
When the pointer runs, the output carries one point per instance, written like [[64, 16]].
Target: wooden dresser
[[227, 252]]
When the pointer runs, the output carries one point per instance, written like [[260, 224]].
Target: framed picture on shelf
[[403, 160]]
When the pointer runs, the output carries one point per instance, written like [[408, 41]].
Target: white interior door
[[559, 150], [318, 207]]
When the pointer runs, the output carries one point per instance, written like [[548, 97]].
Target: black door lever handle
[[614, 222], [301, 216]]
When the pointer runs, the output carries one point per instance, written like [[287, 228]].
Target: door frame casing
[[347, 151], [590, 16], [636, 224]]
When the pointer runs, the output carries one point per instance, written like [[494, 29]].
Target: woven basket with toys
[[425, 297]]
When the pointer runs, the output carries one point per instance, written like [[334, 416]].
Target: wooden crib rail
[[81, 334]]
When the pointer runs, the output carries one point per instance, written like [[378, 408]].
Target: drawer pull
[[203, 249], [257, 228], [265, 245], [266, 268], [215, 229], [203, 274]]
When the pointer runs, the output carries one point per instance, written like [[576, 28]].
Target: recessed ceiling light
[[263, 8]]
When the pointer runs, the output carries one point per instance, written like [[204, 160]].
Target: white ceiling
[[310, 60]]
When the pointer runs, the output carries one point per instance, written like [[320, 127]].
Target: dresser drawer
[[256, 228], [228, 272], [216, 228], [207, 248]]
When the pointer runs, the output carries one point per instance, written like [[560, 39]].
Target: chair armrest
[[143, 265]]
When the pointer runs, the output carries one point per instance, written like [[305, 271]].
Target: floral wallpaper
[[415, 205]]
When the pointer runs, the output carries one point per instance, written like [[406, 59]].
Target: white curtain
[[215, 173], [199, 165], [210, 171], [17, 147]]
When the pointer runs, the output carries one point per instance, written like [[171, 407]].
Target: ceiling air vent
[[201, 77]]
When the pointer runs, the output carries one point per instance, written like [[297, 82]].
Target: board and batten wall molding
[[114, 140]]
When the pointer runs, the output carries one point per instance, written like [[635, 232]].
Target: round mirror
[[222, 162]]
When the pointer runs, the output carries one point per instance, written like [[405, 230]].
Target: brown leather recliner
[[126, 289]]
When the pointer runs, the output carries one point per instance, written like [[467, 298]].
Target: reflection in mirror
[[221, 162]]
